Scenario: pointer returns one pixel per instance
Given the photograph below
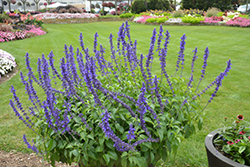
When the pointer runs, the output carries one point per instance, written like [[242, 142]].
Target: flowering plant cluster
[[194, 17], [7, 63], [66, 15], [234, 140], [32, 20], [213, 19], [17, 35], [12, 14], [239, 21], [112, 112]]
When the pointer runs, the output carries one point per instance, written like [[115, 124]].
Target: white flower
[[7, 62]]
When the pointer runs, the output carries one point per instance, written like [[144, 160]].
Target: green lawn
[[224, 43]]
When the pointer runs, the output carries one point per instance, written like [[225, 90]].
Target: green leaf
[[99, 149], [241, 149], [124, 154], [113, 155], [51, 144], [119, 127], [75, 153], [106, 158], [160, 133], [91, 136], [92, 154], [124, 162], [152, 156], [83, 135], [200, 123], [141, 162], [110, 144]]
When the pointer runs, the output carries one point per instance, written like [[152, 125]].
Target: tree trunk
[[9, 2], [115, 7], [37, 2], [103, 8], [246, 5]]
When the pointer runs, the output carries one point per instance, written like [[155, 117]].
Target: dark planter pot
[[215, 158]]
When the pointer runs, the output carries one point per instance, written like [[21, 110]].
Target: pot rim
[[210, 146]]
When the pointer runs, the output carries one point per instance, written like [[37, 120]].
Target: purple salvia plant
[[143, 73], [167, 39], [160, 37], [73, 68], [191, 79], [158, 96], [95, 42], [164, 73], [149, 62], [142, 109], [131, 132], [181, 55], [109, 133], [51, 62], [29, 146], [204, 66], [219, 81]]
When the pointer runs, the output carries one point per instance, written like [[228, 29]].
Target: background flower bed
[[194, 17], [14, 29], [66, 15]]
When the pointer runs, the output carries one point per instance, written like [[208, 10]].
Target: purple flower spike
[[131, 131], [95, 41], [204, 66], [205, 62], [160, 37], [181, 54], [219, 81]]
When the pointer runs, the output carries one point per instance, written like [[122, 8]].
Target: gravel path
[[17, 159]]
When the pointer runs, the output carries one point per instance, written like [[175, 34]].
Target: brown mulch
[[17, 159], [9, 76]]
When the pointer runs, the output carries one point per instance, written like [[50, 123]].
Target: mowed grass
[[224, 43]]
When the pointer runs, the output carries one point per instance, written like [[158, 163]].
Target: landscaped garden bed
[[194, 17], [17, 27]]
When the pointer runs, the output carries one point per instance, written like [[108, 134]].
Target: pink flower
[[237, 140], [230, 142], [248, 137], [240, 117], [242, 132]]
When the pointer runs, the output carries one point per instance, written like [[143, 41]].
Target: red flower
[[240, 117], [242, 132], [230, 142]]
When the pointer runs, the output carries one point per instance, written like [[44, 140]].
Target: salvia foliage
[[112, 113]]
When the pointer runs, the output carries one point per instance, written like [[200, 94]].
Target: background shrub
[[162, 4], [138, 6], [192, 20], [126, 15], [206, 4], [151, 20], [178, 13], [212, 12], [161, 19]]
